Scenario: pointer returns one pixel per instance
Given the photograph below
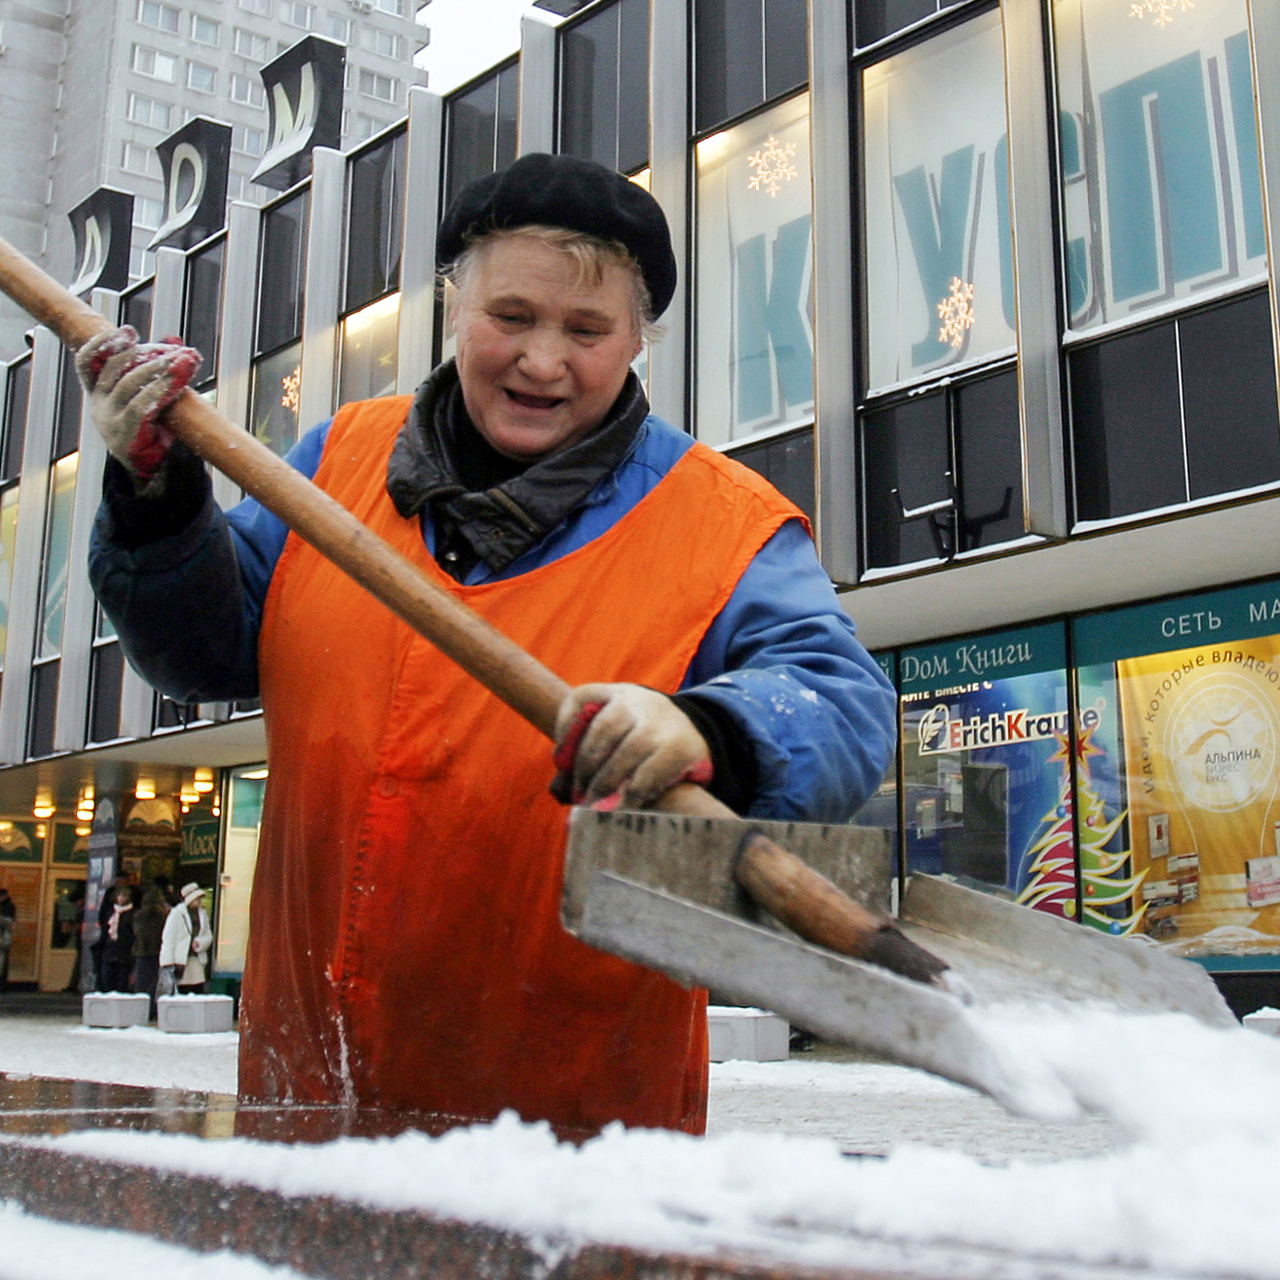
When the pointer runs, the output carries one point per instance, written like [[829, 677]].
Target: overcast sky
[[468, 37]]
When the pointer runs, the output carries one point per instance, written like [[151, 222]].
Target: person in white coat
[[185, 943]]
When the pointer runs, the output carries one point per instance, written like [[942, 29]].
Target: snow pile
[[1193, 1191]]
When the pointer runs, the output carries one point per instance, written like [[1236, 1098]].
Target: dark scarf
[[485, 506]]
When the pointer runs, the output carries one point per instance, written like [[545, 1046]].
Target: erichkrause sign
[[195, 161], [304, 98], [939, 731], [102, 226]]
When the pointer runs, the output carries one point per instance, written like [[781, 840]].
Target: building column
[[424, 155], [322, 287], [536, 127]]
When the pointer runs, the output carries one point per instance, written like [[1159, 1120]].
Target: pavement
[[867, 1107]]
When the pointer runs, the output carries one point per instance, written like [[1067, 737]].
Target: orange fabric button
[[387, 786]]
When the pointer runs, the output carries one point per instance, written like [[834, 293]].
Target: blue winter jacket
[[781, 657]]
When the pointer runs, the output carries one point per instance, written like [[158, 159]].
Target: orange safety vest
[[405, 945]]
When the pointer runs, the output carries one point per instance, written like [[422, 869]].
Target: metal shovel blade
[[659, 890]]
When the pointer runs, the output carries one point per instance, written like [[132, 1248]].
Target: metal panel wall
[[1031, 197], [424, 150], [24, 590], [537, 118], [669, 360], [322, 287], [835, 443]]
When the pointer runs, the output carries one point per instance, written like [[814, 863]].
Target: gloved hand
[[130, 385], [624, 744]]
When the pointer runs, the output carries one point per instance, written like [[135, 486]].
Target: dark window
[[375, 223], [875, 19], [1229, 397], [17, 394], [481, 129], [604, 96], [66, 438], [203, 309], [106, 681], [906, 465], [284, 251], [746, 52], [1182, 410], [787, 463], [174, 715], [942, 473], [135, 309], [44, 709]]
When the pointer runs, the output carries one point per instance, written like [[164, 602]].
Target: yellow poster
[[1202, 758]]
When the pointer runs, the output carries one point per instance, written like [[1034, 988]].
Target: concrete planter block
[[190, 1014], [1265, 1020], [114, 1008], [747, 1035]]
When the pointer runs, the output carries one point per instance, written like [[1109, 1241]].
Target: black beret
[[563, 191]]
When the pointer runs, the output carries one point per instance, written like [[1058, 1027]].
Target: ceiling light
[[43, 806], [145, 788], [203, 778]]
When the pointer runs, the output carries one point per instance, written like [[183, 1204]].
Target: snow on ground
[[1189, 1185], [36, 1249]]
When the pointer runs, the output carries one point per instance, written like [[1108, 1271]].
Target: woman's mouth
[[526, 401]]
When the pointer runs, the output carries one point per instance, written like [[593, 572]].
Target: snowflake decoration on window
[[1159, 11], [290, 385], [773, 166], [956, 313]]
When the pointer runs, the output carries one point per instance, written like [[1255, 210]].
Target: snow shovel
[[862, 977]]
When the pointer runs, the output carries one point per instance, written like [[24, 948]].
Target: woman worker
[[405, 945]]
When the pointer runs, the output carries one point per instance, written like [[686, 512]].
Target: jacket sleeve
[[782, 658], [187, 604]]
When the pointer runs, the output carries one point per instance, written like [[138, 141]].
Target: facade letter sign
[[195, 160], [304, 94]]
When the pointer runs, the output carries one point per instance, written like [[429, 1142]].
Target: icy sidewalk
[[864, 1107]]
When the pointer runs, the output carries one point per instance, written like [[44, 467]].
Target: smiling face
[[543, 350]]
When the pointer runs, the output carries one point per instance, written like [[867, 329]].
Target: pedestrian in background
[[148, 931], [8, 916], [185, 941], [117, 946]]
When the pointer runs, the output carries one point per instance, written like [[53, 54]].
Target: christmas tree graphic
[[1110, 893]]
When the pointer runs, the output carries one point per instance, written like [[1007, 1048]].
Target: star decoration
[[956, 313], [773, 166], [1159, 11], [290, 385]]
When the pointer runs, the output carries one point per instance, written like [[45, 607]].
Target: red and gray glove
[[130, 384], [624, 744]]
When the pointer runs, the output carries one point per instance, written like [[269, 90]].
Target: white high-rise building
[[89, 87]]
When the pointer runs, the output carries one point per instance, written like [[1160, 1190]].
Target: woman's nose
[[543, 354]]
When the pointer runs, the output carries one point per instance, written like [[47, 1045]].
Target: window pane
[[1127, 425], [786, 46], [106, 681], [136, 310], [727, 50], [369, 351], [875, 19], [939, 265], [284, 249], [906, 456], [755, 275], [275, 399], [481, 130], [203, 309], [989, 444], [57, 549], [43, 709], [1162, 192], [17, 393], [604, 101], [8, 536], [70, 402], [989, 792], [375, 224], [1229, 397]]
